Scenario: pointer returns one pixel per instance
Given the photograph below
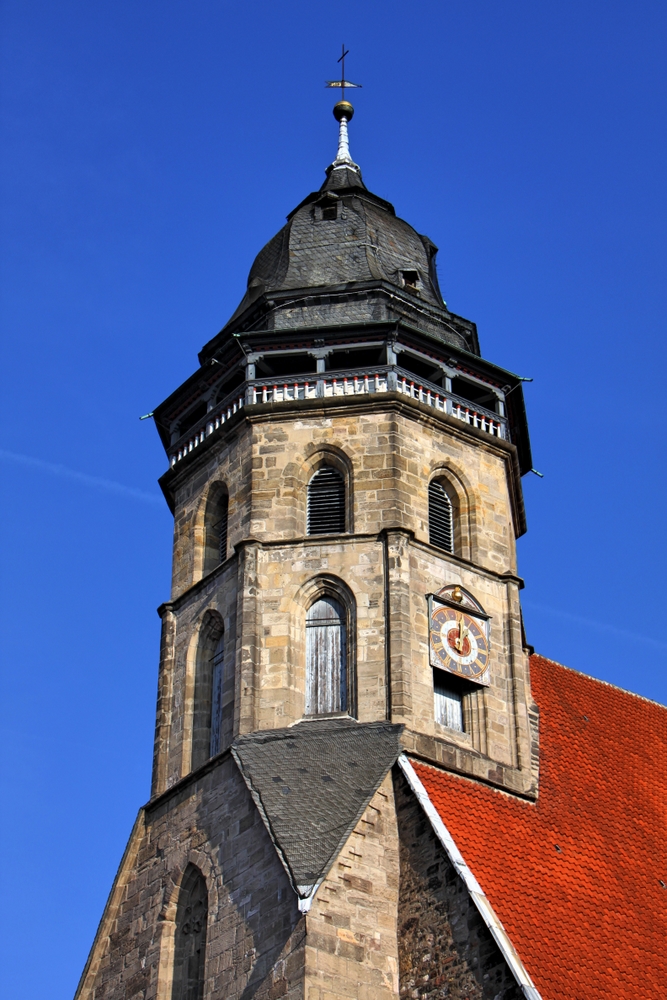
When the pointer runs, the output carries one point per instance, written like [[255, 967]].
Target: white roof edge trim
[[306, 895], [480, 900]]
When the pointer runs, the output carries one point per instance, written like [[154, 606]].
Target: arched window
[[440, 517], [190, 942], [326, 502], [209, 680], [326, 658], [216, 530]]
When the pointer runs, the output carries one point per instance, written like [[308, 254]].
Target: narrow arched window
[[326, 502], [217, 678], [208, 691], [190, 941], [215, 542], [440, 517], [326, 658]]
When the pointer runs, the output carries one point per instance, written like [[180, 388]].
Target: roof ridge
[[597, 680]]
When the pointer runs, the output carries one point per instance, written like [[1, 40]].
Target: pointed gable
[[311, 783]]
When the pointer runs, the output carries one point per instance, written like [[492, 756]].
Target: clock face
[[459, 643]]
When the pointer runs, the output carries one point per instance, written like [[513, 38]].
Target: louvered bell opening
[[326, 503], [440, 518], [220, 529]]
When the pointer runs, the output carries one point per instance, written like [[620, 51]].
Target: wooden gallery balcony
[[328, 385]]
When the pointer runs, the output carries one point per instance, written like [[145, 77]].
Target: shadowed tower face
[[344, 470]]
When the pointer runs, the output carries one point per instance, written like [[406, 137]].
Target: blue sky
[[150, 150]]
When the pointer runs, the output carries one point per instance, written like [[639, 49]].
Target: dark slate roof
[[311, 783], [343, 177], [366, 242]]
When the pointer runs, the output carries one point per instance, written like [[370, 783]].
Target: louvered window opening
[[326, 658], [326, 503], [220, 528], [448, 703], [440, 517]]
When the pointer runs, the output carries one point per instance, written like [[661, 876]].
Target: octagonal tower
[[344, 470]]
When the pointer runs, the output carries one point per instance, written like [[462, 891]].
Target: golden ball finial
[[343, 110]]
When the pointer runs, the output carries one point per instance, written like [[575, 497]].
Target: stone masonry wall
[[391, 452], [445, 948], [388, 453], [255, 939], [351, 945]]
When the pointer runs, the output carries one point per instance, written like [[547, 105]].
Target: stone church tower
[[345, 478]]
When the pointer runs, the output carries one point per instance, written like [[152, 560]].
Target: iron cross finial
[[342, 83], [342, 69]]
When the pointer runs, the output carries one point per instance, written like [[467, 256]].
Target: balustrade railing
[[326, 385], [219, 415]]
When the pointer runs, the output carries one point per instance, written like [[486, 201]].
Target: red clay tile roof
[[589, 921]]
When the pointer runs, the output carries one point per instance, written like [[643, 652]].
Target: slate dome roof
[[342, 235]]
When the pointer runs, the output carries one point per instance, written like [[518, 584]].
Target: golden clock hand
[[461, 637]]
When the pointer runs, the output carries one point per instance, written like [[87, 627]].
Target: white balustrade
[[360, 383], [213, 421]]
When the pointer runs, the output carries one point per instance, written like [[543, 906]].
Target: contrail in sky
[[600, 626], [81, 477], [110, 486]]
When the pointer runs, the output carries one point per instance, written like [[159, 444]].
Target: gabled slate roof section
[[311, 783], [578, 878]]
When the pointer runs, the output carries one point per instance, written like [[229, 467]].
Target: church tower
[[344, 470]]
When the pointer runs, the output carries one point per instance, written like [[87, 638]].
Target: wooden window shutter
[[326, 658], [440, 517], [448, 703], [326, 502]]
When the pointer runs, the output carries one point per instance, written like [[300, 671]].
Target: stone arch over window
[[190, 937], [216, 517], [209, 677], [329, 675], [449, 513], [328, 494], [205, 861]]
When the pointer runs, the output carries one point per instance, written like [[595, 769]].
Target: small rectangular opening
[[191, 418], [230, 384], [474, 392], [448, 694], [285, 365], [410, 279], [360, 358], [421, 369], [330, 212]]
